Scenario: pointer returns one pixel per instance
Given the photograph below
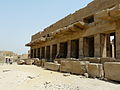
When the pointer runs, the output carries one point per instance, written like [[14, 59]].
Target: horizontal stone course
[[52, 66]]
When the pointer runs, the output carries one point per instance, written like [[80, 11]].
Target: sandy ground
[[16, 77]]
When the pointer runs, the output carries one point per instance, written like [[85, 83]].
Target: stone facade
[[86, 33]]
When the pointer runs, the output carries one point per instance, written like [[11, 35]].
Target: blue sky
[[20, 19]]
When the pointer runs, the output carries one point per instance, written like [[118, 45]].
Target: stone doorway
[[54, 51], [111, 45], [38, 56], [43, 52], [89, 46], [63, 50], [34, 53], [75, 48], [48, 53]]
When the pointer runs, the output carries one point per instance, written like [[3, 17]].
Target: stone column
[[31, 53], [45, 52], [117, 34], [108, 45], [86, 47], [50, 52], [36, 52], [40, 53], [69, 49], [58, 48], [81, 48], [97, 45], [103, 46]]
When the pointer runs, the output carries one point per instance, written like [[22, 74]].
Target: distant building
[[8, 54], [23, 56]]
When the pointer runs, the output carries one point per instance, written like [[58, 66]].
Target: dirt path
[[15, 77]]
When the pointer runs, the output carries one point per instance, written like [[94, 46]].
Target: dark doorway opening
[[31, 55], [89, 47], [34, 53], [43, 52], [63, 50], [75, 48], [48, 53], [38, 56], [54, 51], [111, 45]]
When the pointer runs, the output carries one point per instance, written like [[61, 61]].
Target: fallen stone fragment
[[30, 77], [20, 62], [95, 70], [6, 70], [112, 70], [86, 75], [66, 74]]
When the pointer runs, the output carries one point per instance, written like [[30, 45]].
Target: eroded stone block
[[79, 67], [65, 66], [107, 59], [112, 70], [95, 70], [52, 66], [29, 61]]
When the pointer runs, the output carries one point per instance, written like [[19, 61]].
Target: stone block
[[115, 11], [65, 66], [37, 61], [43, 62], [94, 60], [29, 61], [20, 62], [107, 59], [79, 67], [112, 70], [95, 70], [91, 59], [52, 66], [104, 14]]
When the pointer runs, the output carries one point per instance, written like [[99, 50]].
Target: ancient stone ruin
[[90, 34]]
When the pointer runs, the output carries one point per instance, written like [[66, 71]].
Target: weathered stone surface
[[43, 62], [95, 70], [29, 61], [115, 11], [65, 66], [37, 61], [91, 59], [20, 62], [99, 20], [107, 59], [104, 14], [52, 66], [75, 67], [79, 67], [112, 70]]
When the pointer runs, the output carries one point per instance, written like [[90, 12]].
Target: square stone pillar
[[85, 47], [108, 45], [58, 48], [117, 34], [31, 53], [103, 45], [36, 52], [97, 45], [69, 49], [40, 52], [81, 54], [51, 52], [45, 52]]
